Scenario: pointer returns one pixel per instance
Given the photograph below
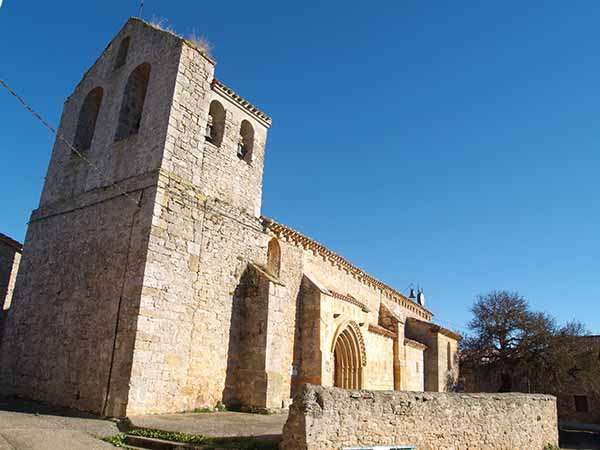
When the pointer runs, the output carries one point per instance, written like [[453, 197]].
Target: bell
[[412, 294], [421, 298]]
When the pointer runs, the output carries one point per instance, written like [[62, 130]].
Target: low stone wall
[[329, 418]]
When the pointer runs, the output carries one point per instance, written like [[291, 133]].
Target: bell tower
[[113, 308]]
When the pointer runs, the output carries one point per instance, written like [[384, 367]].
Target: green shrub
[[168, 435], [117, 440]]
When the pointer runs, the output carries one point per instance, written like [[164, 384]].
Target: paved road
[[33, 426], [218, 424]]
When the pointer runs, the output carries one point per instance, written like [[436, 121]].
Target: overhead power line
[[80, 155], [59, 136]]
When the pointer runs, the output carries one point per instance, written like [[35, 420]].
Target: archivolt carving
[[355, 330]]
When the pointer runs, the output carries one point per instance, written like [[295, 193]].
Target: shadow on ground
[[28, 425], [579, 440], [23, 406]]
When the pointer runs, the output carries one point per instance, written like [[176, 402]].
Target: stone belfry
[[118, 306]]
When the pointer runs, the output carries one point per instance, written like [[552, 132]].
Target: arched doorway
[[348, 355]]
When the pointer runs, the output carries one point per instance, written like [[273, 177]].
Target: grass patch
[[117, 440], [249, 410], [219, 407], [203, 45], [168, 435], [207, 443], [206, 409], [162, 24]]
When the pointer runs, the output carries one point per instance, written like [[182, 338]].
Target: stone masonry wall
[[378, 372], [447, 362], [68, 175], [441, 366], [337, 279], [10, 257], [567, 411], [380, 369], [69, 336], [329, 418], [308, 355], [134, 304], [72, 321], [283, 328], [413, 379], [201, 244]]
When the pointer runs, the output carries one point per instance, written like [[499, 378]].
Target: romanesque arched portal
[[349, 358]]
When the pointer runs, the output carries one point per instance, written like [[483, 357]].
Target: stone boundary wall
[[329, 418]]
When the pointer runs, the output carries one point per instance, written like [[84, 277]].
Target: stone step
[[146, 443]]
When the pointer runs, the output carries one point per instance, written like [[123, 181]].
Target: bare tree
[[515, 349]]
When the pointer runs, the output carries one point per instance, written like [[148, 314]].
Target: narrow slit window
[[274, 257], [122, 53]]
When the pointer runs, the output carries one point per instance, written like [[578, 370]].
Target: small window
[[581, 404], [215, 126], [418, 367], [274, 257], [132, 106], [449, 355], [122, 53], [246, 141], [86, 124]]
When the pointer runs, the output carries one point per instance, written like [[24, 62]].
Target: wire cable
[[80, 155], [59, 136]]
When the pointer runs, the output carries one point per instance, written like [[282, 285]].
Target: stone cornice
[[292, 235], [415, 344], [241, 102], [384, 308], [265, 272], [377, 329], [11, 242], [349, 299], [439, 329]]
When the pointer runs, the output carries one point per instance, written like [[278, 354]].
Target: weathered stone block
[[328, 418]]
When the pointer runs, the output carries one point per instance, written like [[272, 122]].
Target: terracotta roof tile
[[308, 243], [438, 329], [242, 102]]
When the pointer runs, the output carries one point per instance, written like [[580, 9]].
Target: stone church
[[149, 281]]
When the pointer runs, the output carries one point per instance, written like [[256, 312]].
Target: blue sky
[[452, 145]]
